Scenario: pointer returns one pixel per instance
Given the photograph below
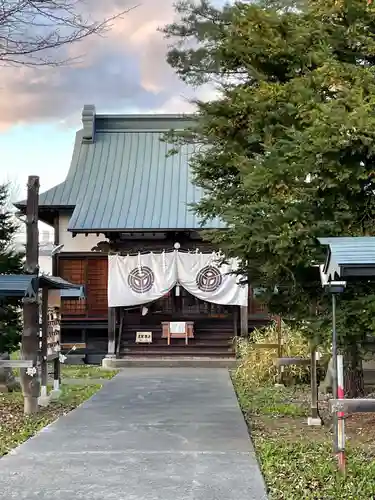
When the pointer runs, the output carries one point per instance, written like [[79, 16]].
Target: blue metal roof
[[345, 252], [57, 283], [72, 293], [120, 177], [16, 285], [20, 285]]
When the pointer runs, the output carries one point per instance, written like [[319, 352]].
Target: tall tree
[[31, 30], [11, 262], [288, 145]]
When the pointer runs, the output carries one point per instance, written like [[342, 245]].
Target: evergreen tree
[[11, 262], [288, 150]]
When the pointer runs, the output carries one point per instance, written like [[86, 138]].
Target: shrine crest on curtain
[[140, 279]]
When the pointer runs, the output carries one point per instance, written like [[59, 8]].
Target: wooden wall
[[92, 272]]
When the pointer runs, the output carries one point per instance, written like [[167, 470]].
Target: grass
[[297, 460], [86, 372], [15, 427]]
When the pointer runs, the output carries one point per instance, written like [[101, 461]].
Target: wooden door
[[97, 283]]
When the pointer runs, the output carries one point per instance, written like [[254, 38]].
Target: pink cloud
[[124, 70]]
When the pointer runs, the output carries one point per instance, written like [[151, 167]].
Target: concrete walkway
[[149, 434]]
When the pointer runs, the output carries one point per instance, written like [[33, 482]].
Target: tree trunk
[[29, 350], [30, 336], [30, 405], [353, 376]]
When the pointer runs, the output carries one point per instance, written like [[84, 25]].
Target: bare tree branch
[[30, 29]]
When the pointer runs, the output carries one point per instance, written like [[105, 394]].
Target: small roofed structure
[[349, 257], [21, 285], [26, 286]]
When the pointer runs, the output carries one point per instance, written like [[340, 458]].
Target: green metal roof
[[120, 177]]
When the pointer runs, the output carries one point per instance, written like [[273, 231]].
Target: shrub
[[256, 364]]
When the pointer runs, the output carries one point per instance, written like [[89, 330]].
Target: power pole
[[30, 337]]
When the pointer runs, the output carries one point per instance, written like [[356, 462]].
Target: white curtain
[[204, 277], [137, 280]]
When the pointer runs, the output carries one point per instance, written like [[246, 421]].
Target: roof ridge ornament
[[88, 122]]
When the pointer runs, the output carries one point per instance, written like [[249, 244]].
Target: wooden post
[[30, 336], [121, 325], [56, 375], [235, 321], [235, 328], [314, 418], [279, 348], [314, 384], [111, 333], [43, 357], [244, 320]]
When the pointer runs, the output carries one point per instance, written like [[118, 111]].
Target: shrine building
[[126, 232]]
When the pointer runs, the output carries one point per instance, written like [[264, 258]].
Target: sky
[[123, 72]]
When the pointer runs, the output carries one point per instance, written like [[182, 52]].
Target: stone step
[[170, 362], [175, 351]]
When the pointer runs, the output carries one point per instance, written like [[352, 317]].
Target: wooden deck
[[208, 341], [86, 321], [213, 338]]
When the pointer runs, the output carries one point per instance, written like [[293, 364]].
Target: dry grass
[[256, 364]]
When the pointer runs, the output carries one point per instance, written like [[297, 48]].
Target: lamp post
[[334, 346]]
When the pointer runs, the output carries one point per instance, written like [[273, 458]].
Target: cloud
[[124, 71]]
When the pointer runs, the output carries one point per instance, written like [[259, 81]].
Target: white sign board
[[177, 327], [143, 338]]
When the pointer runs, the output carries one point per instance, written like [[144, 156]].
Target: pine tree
[[11, 262], [288, 150]]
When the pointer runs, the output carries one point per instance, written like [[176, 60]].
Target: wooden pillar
[[111, 333], [314, 385], [30, 336], [84, 341], [43, 360], [236, 310], [235, 321], [244, 320], [279, 348], [121, 326], [56, 374]]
